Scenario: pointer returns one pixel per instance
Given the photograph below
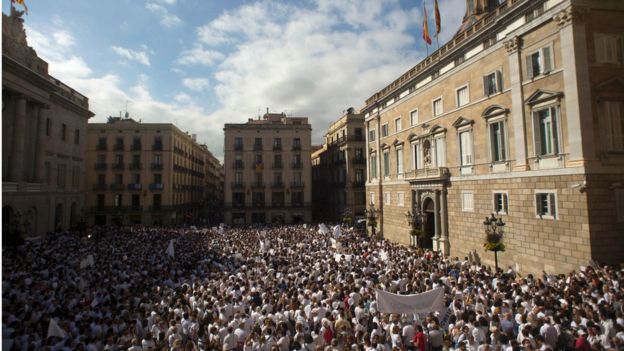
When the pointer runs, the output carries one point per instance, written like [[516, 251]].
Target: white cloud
[[167, 19], [195, 84], [182, 98], [199, 55], [133, 55]]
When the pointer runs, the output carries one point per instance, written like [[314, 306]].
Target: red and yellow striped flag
[[21, 2], [437, 18], [426, 36]]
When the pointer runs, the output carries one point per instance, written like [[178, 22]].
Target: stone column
[[42, 114], [436, 216], [576, 89], [17, 149], [517, 104], [444, 240]]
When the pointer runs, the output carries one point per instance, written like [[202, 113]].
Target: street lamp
[[494, 230], [371, 218], [415, 221]]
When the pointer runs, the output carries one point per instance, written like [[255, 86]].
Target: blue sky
[[202, 63]]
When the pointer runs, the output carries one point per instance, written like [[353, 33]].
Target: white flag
[[170, 250], [383, 255], [305, 226], [55, 330], [337, 232], [429, 301], [323, 229], [335, 244]]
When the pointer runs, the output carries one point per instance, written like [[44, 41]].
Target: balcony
[[238, 147], [296, 147], [427, 173], [157, 166], [277, 165], [157, 147], [116, 187], [257, 147], [101, 166], [277, 204], [136, 146], [100, 187], [238, 164], [297, 184], [117, 166], [135, 166], [257, 185], [358, 160], [258, 204], [277, 147], [277, 185], [297, 165], [135, 186], [136, 208], [156, 186], [101, 146], [238, 185], [119, 147]]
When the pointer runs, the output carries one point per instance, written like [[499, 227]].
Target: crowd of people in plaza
[[288, 288]]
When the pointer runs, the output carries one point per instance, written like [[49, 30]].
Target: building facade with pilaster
[[339, 170], [44, 124], [520, 114], [268, 170]]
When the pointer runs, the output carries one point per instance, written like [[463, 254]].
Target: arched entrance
[[58, 218], [429, 224]]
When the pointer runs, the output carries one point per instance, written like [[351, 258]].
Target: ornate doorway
[[429, 223]]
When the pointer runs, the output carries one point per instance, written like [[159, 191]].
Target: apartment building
[[213, 207], [520, 114], [268, 170], [144, 173], [44, 123], [339, 170]]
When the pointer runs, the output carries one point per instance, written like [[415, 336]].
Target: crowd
[[287, 288]]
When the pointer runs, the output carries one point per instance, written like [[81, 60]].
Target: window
[[47, 174], [467, 201], [546, 135], [539, 62], [399, 160], [238, 143], [497, 141], [492, 83], [277, 160], [258, 158], [359, 176], [612, 125], [371, 135], [136, 178], [238, 178], [414, 117], [258, 144], [118, 178], [373, 166], [397, 124], [61, 176], [101, 179], [437, 107], [372, 198], [609, 48], [386, 163], [76, 176], [63, 132], [500, 202], [360, 198], [462, 96], [359, 154], [440, 146], [277, 143], [546, 204], [136, 201], [387, 198], [238, 199], [118, 200], [48, 126], [416, 157], [465, 148], [136, 159], [296, 143], [358, 134], [400, 198], [101, 198], [157, 200], [384, 130], [157, 159], [77, 136], [619, 204], [157, 178]]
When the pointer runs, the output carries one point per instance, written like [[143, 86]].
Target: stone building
[[145, 173], [268, 170], [520, 114], [213, 207], [339, 170], [44, 124]]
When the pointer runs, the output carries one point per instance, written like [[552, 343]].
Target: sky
[[202, 63]]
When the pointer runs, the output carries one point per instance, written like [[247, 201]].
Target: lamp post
[[371, 218], [494, 230], [415, 221]]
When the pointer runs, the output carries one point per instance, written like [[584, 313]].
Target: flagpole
[[425, 12]]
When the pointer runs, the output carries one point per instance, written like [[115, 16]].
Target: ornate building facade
[[44, 125], [146, 173], [339, 170], [521, 114], [268, 170]]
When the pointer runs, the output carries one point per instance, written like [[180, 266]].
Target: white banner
[[170, 250], [338, 257], [429, 301], [337, 232], [55, 330], [323, 229]]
